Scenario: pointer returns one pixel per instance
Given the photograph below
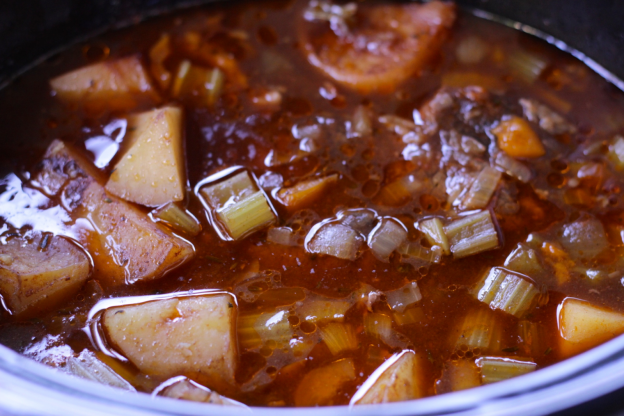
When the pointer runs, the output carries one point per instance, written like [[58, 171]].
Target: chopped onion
[[416, 255], [528, 67], [321, 310], [361, 220], [361, 124], [510, 292], [334, 239], [408, 130], [88, 366], [482, 189], [433, 229], [480, 329], [400, 299], [177, 218], [472, 234], [282, 235], [410, 316], [185, 389], [616, 152], [378, 325], [402, 190], [386, 237], [255, 330], [513, 167], [471, 50], [547, 119], [584, 239], [495, 369], [339, 337], [524, 260]]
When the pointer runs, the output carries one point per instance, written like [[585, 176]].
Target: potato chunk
[[114, 85], [125, 244], [583, 325], [395, 380], [151, 172], [38, 273], [179, 336]]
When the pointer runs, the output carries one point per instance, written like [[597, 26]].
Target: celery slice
[[482, 189], [88, 366], [509, 292], [533, 336], [480, 330], [472, 234], [616, 152], [247, 215], [255, 330], [410, 316], [229, 191], [458, 375], [339, 337], [417, 255], [386, 237], [400, 299], [433, 229], [334, 240], [495, 369], [527, 66], [177, 218]]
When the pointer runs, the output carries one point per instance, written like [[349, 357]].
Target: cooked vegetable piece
[[458, 375], [319, 309], [616, 152], [178, 218], [583, 325], [472, 234], [186, 335], [255, 330], [339, 337], [509, 292], [200, 85], [39, 273], [418, 256], [114, 85], [495, 369], [87, 366], [482, 189], [400, 299], [126, 246], [361, 220], [158, 53], [334, 240], [412, 34], [152, 170], [524, 260], [395, 380], [517, 138], [547, 119], [584, 239], [282, 235], [480, 330], [433, 229], [410, 316], [247, 216], [513, 167], [533, 336], [306, 192], [386, 237], [186, 389], [526, 65], [399, 192], [559, 260], [240, 207], [319, 386], [378, 325]]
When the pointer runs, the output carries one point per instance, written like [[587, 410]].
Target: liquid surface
[[463, 94]]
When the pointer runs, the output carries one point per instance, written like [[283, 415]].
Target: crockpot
[[592, 382]]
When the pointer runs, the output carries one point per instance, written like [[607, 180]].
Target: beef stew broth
[[449, 216]]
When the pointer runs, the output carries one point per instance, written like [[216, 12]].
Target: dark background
[[33, 29]]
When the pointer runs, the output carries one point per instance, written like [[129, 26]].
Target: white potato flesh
[[179, 336], [386, 45], [112, 85], [126, 245], [39, 273], [583, 325], [152, 171], [395, 380]]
